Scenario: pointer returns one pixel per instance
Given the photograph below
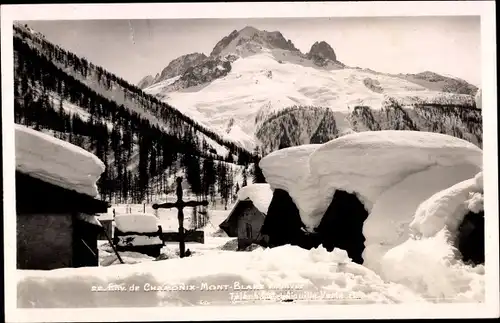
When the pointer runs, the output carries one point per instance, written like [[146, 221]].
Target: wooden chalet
[[244, 222], [56, 227]]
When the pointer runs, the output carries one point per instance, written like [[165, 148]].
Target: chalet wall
[[85, 251], [249, 225], [44, 241]]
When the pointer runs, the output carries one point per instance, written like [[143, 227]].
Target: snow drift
[[430, 259], [388, 224], [446, 209], [56, 161], [260, 195]]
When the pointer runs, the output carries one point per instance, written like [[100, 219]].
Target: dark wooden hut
[[56, 227], [245, 222]]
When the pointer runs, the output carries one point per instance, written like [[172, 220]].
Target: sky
[[133, 49]]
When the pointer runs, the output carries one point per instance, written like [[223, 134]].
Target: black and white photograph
[[307, 159]]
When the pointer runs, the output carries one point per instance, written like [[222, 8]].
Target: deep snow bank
[[430, 265], [288, 169], [447, 208], [56, 161], [388, 223], [275, 274], [430, 260], [260, 195]]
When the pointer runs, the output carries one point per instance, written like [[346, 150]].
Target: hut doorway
[[282, 223], [470, 240], [342, 225]]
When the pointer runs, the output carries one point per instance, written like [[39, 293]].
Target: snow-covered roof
[[56, 161], [260, 195], [288, 169], [137, 222], [366, 163], [370, 162]]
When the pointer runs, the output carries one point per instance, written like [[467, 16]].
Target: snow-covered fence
[[138, 232]]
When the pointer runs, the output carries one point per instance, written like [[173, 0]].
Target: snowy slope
[[259, 84], [120, 94]]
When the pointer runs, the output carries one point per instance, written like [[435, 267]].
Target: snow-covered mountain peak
[[248, 31], [250, 40]]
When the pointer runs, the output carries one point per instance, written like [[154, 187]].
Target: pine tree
[[208, 178], [258, 176], [244, 178], [230, 183], [61, 116], [143, 167], [236, 189], [193, 174], [223, 183]]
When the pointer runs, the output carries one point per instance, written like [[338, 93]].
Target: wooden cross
[[180, 205]]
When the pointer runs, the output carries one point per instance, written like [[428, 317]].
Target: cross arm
[[166, 205], [169, 205], [195, 203]]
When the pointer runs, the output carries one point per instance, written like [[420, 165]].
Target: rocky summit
[[322, 50]]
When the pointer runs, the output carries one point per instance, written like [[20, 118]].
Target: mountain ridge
[[264, 78]]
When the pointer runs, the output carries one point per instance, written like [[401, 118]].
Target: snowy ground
[[222, 277]]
